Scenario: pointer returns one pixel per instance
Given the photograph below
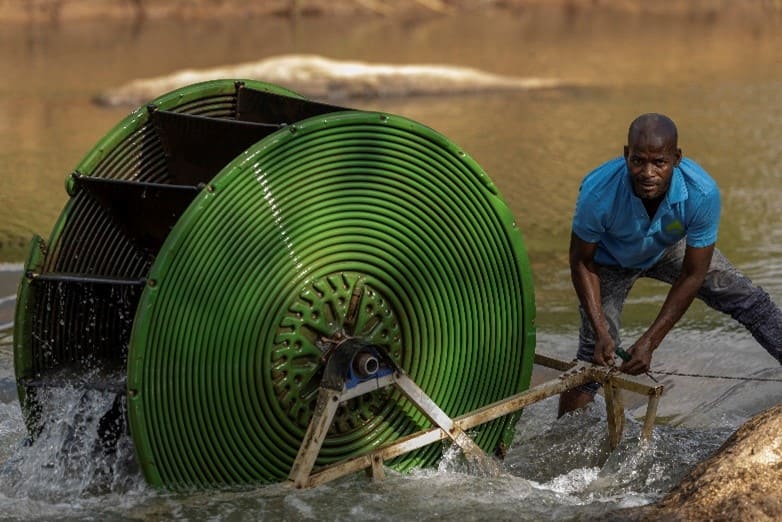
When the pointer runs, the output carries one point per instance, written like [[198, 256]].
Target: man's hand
[[640, 358], [683, 290], [604, 350], [586, 281]]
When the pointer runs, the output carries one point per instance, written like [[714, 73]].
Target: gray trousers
[[724, 289]]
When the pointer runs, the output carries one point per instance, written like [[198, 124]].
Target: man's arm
[[696, 264], [586, 281]]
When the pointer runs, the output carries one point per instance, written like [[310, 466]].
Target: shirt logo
[[674, 227]]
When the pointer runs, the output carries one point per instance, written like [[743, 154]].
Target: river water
[[720, 78]]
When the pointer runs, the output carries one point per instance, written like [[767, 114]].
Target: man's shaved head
[[651, 127], [652, 153]]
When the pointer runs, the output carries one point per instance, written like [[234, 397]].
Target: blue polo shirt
[[610, 214]]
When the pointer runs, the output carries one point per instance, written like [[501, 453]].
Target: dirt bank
[[739, 482], [56, 11]]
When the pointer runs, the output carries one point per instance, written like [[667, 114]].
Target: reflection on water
[[720, 79]]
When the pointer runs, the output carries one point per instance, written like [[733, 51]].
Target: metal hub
[[322, 314]]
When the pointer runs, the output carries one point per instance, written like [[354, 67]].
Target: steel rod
[[62, 277]]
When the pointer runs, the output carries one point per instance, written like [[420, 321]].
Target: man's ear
[[627, 152], [678, 157]]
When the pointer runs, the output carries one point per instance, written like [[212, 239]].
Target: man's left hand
[[640, 358]]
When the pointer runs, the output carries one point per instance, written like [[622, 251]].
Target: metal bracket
[[337, 387], [343, 380], [612, 381]]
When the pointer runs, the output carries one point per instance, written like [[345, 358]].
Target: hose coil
[[352, 224]]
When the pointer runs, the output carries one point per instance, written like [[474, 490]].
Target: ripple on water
[[557, 469]]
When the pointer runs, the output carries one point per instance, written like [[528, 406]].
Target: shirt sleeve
[[587, 222], [703, 228]]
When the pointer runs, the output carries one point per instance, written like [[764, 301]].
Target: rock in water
[[741, 481], [321, 78]]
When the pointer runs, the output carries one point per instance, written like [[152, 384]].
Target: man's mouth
[[646, 188]]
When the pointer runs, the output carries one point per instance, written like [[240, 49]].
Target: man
[[653, 214]]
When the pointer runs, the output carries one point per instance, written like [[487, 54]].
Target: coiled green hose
[[84, 327], [256, 279], [349, 224]]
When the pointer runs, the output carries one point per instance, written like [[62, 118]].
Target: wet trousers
[[724, 289]]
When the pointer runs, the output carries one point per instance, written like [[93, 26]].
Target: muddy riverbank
[[59, 11]]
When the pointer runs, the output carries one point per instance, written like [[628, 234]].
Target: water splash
[[570, 456], [83, 450]]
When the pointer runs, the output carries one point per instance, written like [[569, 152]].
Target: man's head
[[651, 154]]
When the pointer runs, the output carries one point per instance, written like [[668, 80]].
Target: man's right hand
[[586, 281]]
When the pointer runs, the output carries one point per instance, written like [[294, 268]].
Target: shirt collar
[[677, 191]]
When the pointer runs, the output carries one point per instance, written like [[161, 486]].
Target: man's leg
[[574, 399], [615, 284], [729, 291]]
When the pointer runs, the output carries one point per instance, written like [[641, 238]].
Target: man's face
[[650, 162]]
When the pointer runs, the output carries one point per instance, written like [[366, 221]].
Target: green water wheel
[[326, 225], [76, 302]]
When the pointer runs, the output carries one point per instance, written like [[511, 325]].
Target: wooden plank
[[615, 413], [576, 374]]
